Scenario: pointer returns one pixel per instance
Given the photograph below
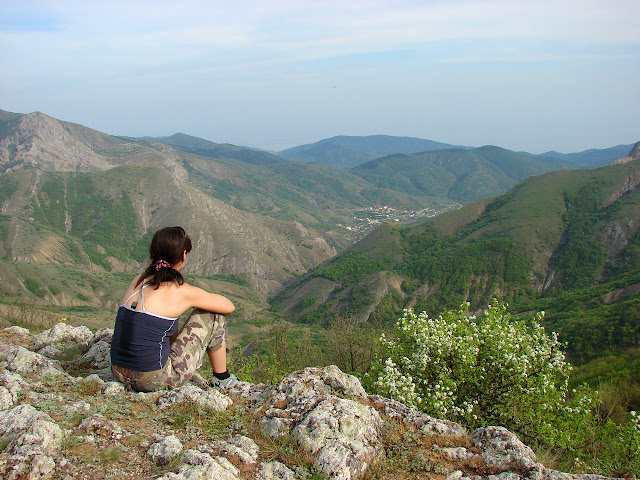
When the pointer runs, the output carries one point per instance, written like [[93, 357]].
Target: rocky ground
[[62, 416]]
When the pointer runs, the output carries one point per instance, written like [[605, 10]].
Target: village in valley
[[369, 218]]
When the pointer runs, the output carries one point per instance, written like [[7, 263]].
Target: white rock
[[41, 437], [6, 399], [16, 330], [275, 427], [342, 383], [112, 389], [456, 475], [424, 422], [165, 450], [99, 425], [210, 399], [78, 407], [14, 383], [511, 476], [93, 378], [178, 395], [19, 418], [63, 334], [41, 467], [54, 371], [200, 465], [503, 450], [103, 334], [242, 447], [36, 467], [344, 436], [50, 351], [456, 453], [22, 360], [214, 400], [98, 356], [274, 471]]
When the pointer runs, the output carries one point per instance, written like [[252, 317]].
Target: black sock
[[223, 375]]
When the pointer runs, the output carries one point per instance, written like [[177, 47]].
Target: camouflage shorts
[[202, 332]]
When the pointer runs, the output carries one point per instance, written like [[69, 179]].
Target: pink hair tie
[[162, 264]]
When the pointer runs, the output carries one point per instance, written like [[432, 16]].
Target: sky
[[524, 75]]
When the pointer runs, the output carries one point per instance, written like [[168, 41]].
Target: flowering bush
[[494, 370], [482, 371]]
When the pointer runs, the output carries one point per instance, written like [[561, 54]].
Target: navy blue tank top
[[140, 339]]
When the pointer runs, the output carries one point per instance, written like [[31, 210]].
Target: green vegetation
[[581, 255], [460, 268], [460, 175], [494, 370], [351, 268], [34, 287]]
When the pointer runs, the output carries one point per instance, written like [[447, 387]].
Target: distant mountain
[[350, 151], [591, 158], [459, 175], [567, 242], [200, 146], [36, 140], [257, 182]]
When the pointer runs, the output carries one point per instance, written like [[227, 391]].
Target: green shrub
[[485, 371], [493, 370], [34, 287]]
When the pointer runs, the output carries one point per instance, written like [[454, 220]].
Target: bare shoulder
[[132, 287]]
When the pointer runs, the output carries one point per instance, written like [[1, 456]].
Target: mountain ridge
[[349, 151]]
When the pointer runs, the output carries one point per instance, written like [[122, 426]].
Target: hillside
[[74, 197], [206, 148], [566, 242], [37, 141], [459, 175], [62, 419], [350, 151], [316, 195], [592, 158], [104, 219]]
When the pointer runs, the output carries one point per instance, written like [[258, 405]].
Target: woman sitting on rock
[[148, 352]]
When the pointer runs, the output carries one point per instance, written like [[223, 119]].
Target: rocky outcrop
[[634, 154], [63, 420]]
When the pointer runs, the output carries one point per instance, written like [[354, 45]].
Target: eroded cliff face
[[634, 154], [68, 419], [226, 240]]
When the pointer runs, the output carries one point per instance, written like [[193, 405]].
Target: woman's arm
[[211, 302]]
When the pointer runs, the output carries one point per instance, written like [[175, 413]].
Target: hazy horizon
[[525, 76]]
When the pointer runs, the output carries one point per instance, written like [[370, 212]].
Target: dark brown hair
[[167, 247]]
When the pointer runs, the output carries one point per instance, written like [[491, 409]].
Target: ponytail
[[166, 251]]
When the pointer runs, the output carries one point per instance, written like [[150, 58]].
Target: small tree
[[479, 371], [350, 345]]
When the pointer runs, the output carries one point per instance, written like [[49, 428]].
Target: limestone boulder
[[21, 360], [98, 356], [164, 451], [503, 450], [63, 334]]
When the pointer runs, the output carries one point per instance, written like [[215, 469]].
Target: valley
[[427, 226]]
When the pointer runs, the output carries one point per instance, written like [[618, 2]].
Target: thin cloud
[[279, 53]]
